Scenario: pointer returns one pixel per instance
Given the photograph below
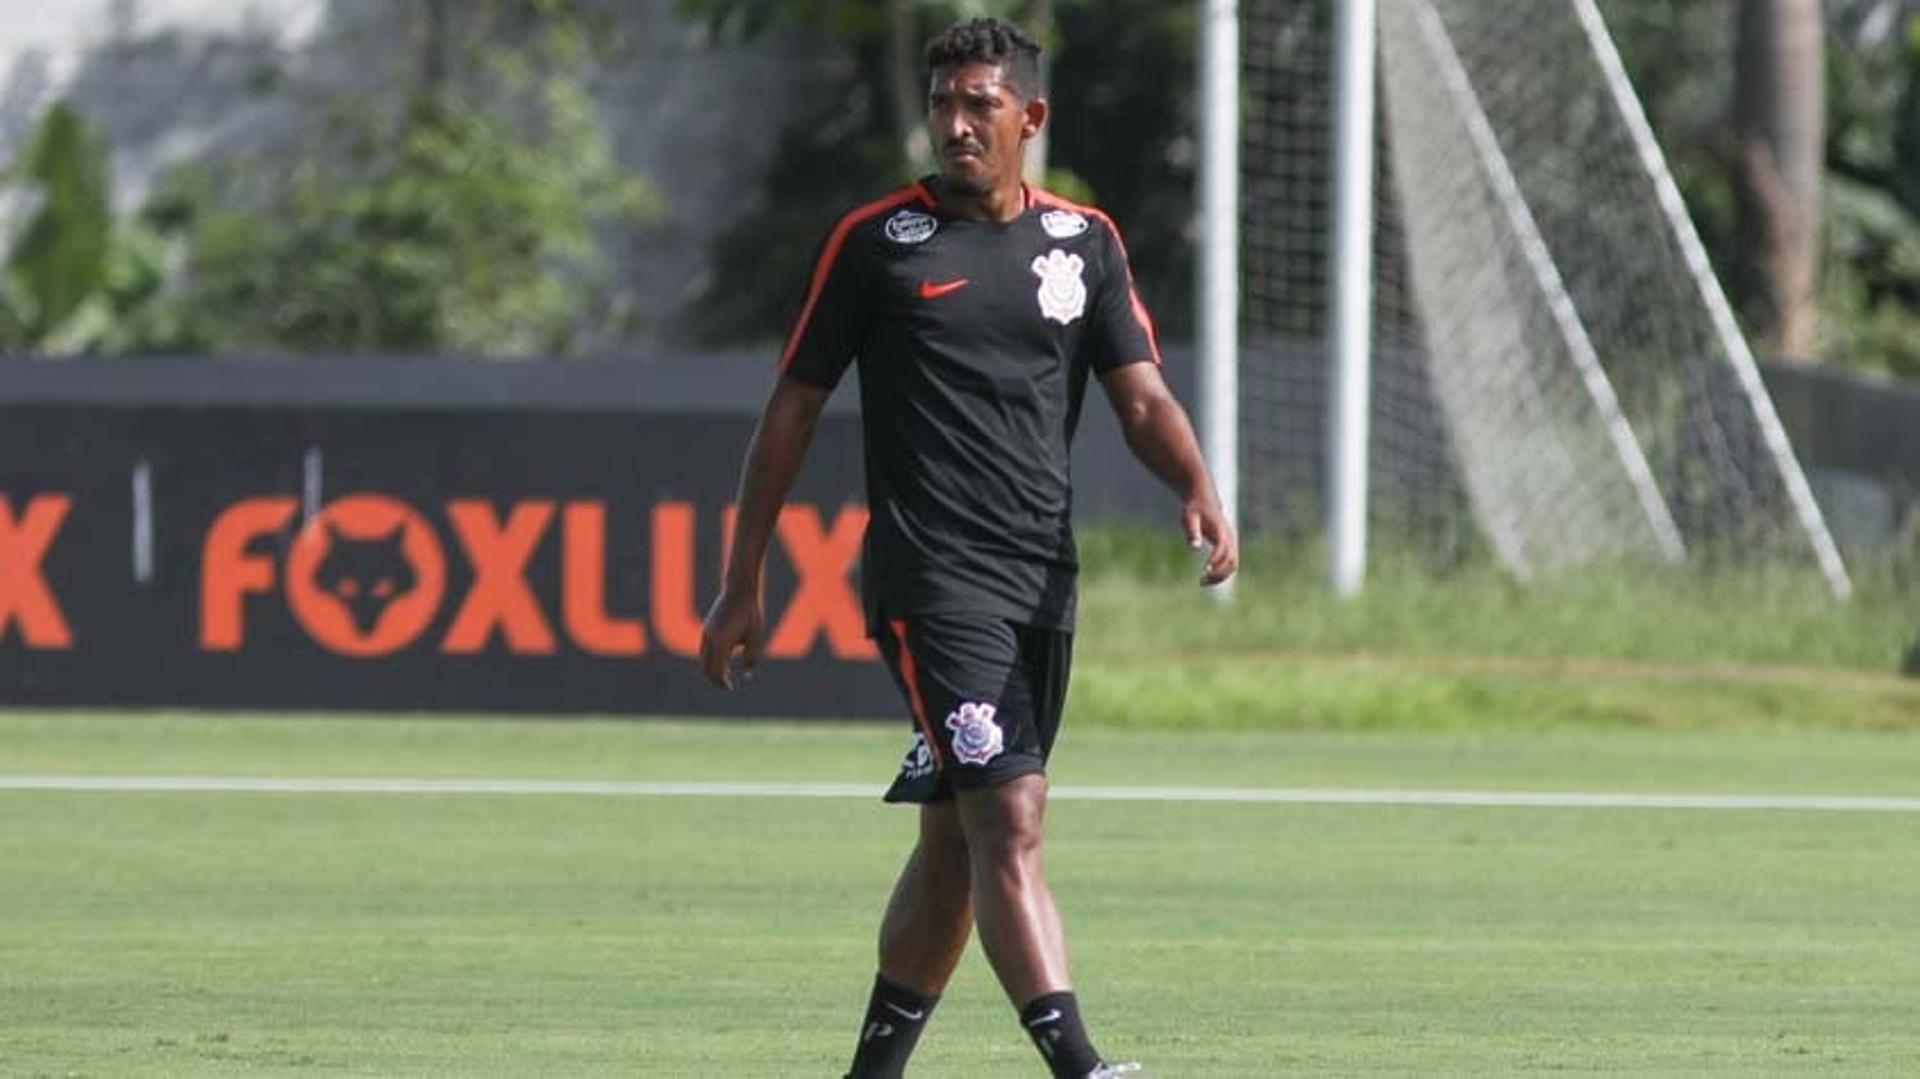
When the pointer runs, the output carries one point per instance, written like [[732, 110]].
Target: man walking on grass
[[976, 307]]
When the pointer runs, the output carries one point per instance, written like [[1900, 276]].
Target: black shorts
[[985, 694]]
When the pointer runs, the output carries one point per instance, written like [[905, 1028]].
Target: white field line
[[1245, 795]]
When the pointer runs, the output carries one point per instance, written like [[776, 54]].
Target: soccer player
[[976, 308]]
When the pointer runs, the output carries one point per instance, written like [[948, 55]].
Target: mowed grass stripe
[[162, 933], [224, 934], [1798, 761], [635, 789]]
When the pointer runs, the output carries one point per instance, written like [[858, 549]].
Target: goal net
[[1555, 373]]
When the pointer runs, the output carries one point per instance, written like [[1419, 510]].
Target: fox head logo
[[365, 575]]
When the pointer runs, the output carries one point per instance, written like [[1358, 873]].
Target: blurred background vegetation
[[471, 207], [458, 212]]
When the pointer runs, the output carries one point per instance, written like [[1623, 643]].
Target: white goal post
[[1219, 256], [1535, 347]]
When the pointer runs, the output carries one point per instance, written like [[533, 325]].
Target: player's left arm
[[1159, 434]]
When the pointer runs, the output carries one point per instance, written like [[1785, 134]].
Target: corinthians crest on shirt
[[1063, 289]]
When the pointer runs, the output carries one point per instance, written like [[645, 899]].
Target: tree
[[1866, 239], [74, 272], [1779, 123], [458, 215], [1871, 281]]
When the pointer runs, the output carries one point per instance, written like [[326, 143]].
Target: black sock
[[895, 1017], [1053, 1022]]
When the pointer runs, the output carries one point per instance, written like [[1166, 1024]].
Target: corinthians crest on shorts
[[977, 739], [1063, 291]]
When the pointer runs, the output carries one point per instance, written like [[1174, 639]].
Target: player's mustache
[[963, 146]]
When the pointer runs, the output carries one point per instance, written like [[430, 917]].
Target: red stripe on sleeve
[[1146, 323], [831, 252]]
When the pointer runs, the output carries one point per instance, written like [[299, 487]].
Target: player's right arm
[[823, 341], [779, 445]]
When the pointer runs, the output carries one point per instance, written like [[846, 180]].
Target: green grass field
[[396, 934], [1473, 650]]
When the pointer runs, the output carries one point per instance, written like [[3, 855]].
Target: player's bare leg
[[1019, 924], [922, 936], [930, 916]]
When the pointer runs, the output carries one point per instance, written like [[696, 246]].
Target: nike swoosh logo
[[930, 290], [903, 1013], [1047, 1018]]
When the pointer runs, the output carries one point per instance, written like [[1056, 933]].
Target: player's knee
[[1006, 821]]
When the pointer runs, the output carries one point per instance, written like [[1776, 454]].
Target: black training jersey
[[974, 341]]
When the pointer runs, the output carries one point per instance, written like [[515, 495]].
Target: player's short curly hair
[[990, 41]]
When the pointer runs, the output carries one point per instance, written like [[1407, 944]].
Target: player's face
[[979, 126]]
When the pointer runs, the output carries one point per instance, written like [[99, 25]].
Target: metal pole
[[1350, 303], [1219, 264]]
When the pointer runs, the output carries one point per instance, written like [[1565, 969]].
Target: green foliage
[[462, 221], [73, 272], [62, 257], [1140, 604], [1871, 288], [1678, 53], [1871, 291], [460, 236]]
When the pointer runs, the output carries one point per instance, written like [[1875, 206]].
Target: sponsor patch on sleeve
[[911, 227], [1063, 224]]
